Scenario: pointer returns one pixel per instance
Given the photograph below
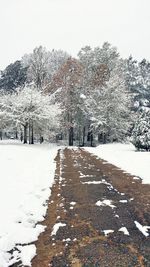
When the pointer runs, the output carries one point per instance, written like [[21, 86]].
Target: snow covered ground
[[26, 173], [125, 157]]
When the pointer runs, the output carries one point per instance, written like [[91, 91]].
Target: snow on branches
[[30, 111], [141, 131]]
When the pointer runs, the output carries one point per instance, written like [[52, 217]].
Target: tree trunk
[[78, 136], [83, 141], [21, 136], [91, 138], [99, 137], [41, 139], [71, 136], [29, 131], [25, 134], [104, 138], [32, 134], [16, 134], [1, 135]]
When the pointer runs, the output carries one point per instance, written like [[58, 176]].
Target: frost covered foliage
[[141, 132], [99, 94], [29, 112], [42, 65], [111, 114], [138, 82], [107, 97]]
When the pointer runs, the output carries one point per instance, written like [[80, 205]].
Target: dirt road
[[97, 216]]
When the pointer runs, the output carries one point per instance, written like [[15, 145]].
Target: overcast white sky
[[72, 24]]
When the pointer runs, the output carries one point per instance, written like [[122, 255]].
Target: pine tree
[[15, 75], [141, 131]]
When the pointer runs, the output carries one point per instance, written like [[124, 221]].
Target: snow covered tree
[[37, 63], [32, 110], [42, 65], [66, 84], [138, 82], [94, 92], [141, 131], [107, 55], [5, 118], [109, 106], [144, 81], [56, 58], [13, 76], [99, 65]]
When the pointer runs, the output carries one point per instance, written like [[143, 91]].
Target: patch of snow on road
[[72, 203], [56, 228], [61, 165], [124, 230], [98, 182], [84, 176], [93, 182], [27, 173], [106, 232], [142, 229], [123, 201], [125, 157], [105, 202]]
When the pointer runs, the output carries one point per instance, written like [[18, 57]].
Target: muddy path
[[100, 214]]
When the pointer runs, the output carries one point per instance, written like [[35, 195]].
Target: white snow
[[124, 230], [105, 202], [26, 174], [73, 203], [123, 201], [98, 182], [142, 229], [82, 96], [27, 253], [83, 175], [125, 157], [106, 232], [93, 182], [56, 228]]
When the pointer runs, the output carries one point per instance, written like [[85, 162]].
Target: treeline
[[96, 96]]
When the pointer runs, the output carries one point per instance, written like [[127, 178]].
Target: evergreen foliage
[[13, 76], [141, 131]]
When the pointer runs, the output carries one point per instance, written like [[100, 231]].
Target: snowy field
[[125, 157], [27, 172]]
